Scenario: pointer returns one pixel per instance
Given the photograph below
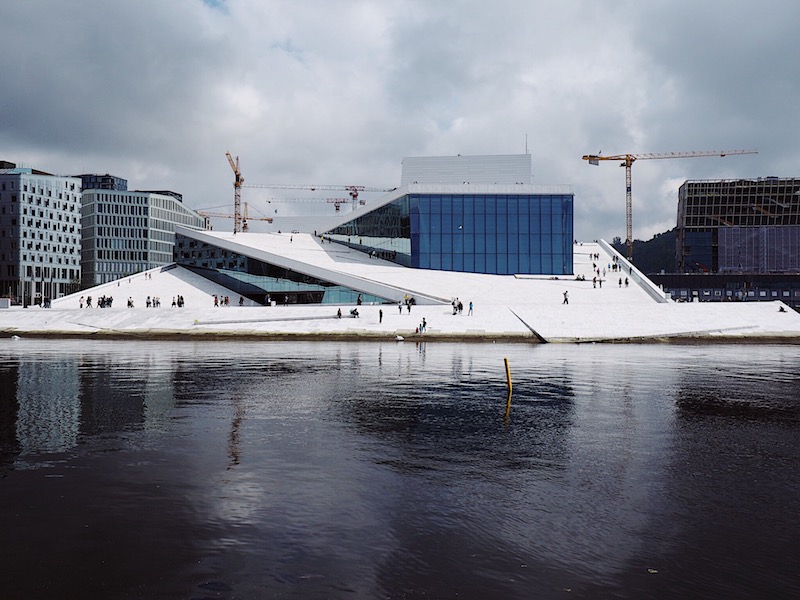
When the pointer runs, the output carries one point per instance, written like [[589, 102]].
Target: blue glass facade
[[494, 234]]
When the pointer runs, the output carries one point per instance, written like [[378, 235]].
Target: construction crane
[[337, 202], [244, 218], [627, 162], [237, 193], [353, 190], [238, 184]]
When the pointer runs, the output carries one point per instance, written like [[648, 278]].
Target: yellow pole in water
[[510, 387]]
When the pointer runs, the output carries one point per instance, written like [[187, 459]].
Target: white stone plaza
[[527, 308]]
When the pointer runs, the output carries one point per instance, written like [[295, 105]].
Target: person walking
[[469, 314], [566, 297], [380, 315]]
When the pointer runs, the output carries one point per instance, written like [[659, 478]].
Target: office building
[[125, 232], [739, 226], [737, 240], [40, 234]]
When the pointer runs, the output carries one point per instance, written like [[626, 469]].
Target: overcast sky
[[339, 91]]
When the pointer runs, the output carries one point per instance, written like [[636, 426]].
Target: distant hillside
[[653, 255]]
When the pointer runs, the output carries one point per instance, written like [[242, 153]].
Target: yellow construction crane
[[627, 161], [237, 193]]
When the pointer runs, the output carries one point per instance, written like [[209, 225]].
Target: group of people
[[408, 302], [458, 307], [222, 300], [102, 302]]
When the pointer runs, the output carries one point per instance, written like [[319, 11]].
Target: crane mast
[[627, 162], [237, 193]]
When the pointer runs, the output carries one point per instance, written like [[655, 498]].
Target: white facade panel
[[487, 169]]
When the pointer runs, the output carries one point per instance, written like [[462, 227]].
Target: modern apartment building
[[40, 234]]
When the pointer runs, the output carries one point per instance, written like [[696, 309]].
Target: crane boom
[[627, 162], [221, 215]]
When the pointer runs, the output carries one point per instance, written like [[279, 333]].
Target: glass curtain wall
[[493, 234]]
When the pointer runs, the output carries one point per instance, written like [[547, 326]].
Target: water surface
[[390, 470]]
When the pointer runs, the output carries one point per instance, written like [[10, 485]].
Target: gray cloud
[[339, 91]]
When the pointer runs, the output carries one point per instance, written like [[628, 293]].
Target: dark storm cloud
[[106, 78]]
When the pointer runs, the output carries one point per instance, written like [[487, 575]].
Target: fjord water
[[390, 470]]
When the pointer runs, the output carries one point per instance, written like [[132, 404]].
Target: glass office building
[[739, 226], [491, 233]]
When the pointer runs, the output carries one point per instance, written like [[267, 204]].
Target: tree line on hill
[[654, 255]]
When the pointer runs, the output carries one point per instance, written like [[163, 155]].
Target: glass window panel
[[547, 264], [502, 263], [502, 243], [448, 224], [480, 224], [469, 262], [512, 244], [458, 262], [447, 205], [421, 243], [491, 264], [535, 228], [524, 242], [458, 242], [469, 242], [480, 244], [469, 223], [491, 244], [436, 223], [491, 223], [447, 262], [502, 205], [513, 223], [447, 243]]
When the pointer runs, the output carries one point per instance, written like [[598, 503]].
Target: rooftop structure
[[91, 181], [487, 169]]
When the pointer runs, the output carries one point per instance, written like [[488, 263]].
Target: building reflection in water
[[46, 405]]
